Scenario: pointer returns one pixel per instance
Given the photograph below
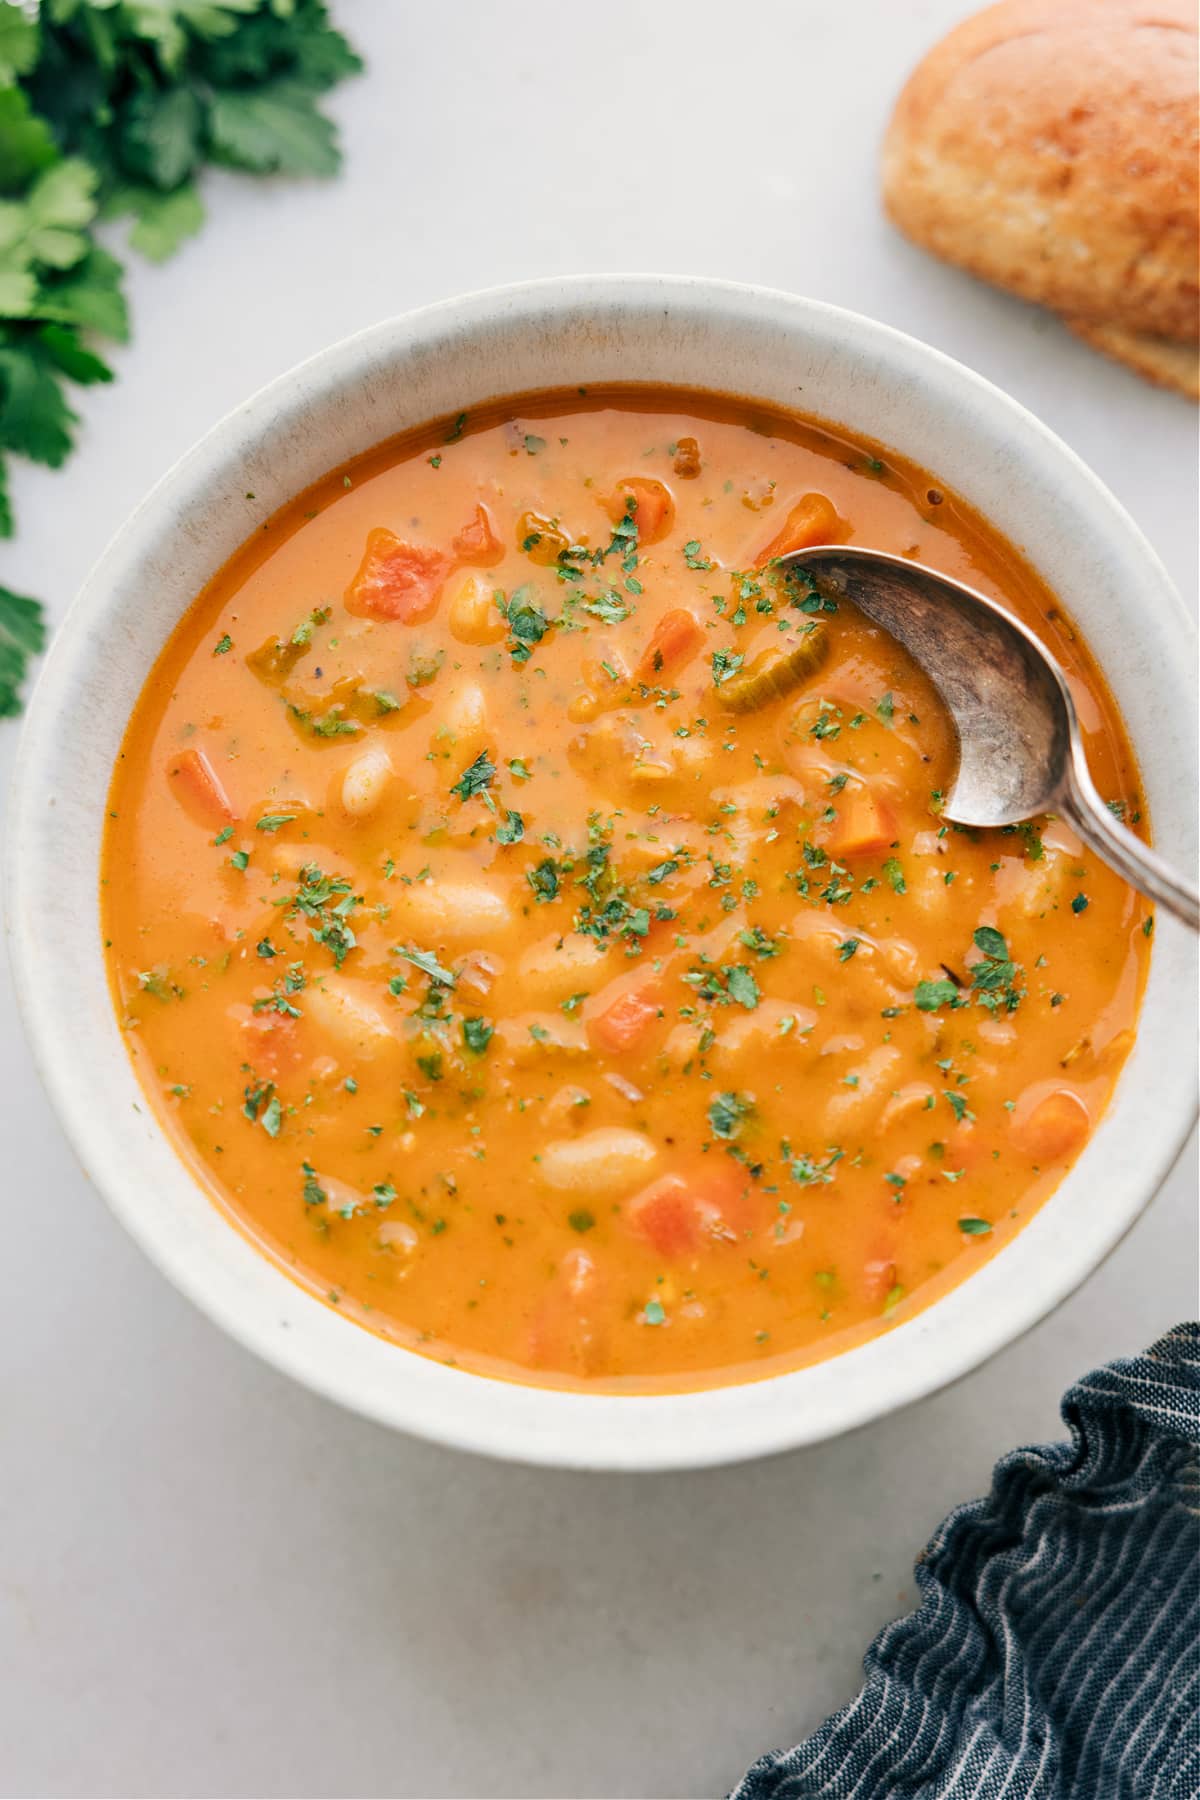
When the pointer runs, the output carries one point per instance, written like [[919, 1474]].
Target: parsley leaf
[[22, 635], [725, 663], [477, 1035], [995, 976], [727, 1112], [475, 779], [273, 130], [427, 962], [110, 108], [931, 996], [742, 987]]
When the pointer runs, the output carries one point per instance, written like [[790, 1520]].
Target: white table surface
[[212, 1583]]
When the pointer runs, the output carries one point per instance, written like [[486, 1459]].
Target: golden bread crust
[[1050, 146], [1163, 360]]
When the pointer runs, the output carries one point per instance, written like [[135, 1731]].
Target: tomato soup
[[531, 915]]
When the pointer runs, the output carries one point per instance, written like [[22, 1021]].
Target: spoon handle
[[1140, 866]]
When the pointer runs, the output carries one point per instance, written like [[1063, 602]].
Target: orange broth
[[532, 920]]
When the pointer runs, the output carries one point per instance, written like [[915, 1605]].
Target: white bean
[[474, 616], [558, 966], [340, 1009], [463, 720], [365, 781], [850, 1108], [398, 1236], [754, 1039], [602, 1164], [437, 912]]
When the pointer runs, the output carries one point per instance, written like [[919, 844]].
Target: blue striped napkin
[[1056, 1652]]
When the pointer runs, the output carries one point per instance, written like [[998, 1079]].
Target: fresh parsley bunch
[[110, 109]]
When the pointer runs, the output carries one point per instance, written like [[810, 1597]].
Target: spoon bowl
[[1020, 747]]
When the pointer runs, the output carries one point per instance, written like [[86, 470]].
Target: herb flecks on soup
[[531, 912]]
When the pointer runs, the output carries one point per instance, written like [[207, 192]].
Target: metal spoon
[[1020, 748]]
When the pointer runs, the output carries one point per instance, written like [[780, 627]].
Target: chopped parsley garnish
[[805, 1169], [274, 821], [608, 607], [279, 999], [312, 1192], [975, 1227], [931, 996], [581, 1219], [477, 1035], [527, 623], [223, 645], [654, 1314], [326, 901], [725, 663], [511, 828], [727, 1113], [742, 987], [895, 875], [762, 944], [476, 778], [427, 962], [544, 879], [995, 976]]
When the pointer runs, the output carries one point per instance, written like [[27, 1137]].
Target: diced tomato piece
[[625, 1022], [199, 787], [654, 509], [813, 520], [395, 579], [477, 543], [1053, 1128], [673, 642], [864, 826], [679, 1215]]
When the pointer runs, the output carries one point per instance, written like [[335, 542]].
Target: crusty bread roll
[[1164, 361], [1051, 146]]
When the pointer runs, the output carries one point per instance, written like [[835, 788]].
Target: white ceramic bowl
[[780, 349]]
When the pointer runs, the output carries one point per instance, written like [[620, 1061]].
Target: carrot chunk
[[269, 1042], [624, 1024], [477, 543], [674, 641], [864, 826], [678, 1216], [666, 1215], [813, 520], [397, 580], [199, 787], [1055, 1128], [878, 1278], [565, 1332], [654, 509]]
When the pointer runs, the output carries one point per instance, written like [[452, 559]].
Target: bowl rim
[[515, 1421]]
